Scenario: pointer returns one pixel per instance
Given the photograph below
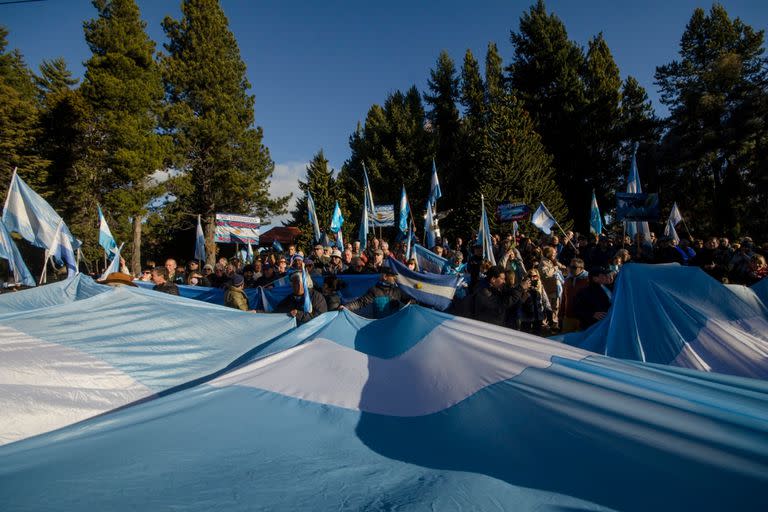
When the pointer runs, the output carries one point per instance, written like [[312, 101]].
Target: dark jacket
[[292, 302], [589, 301], [380, 301], [494, 306], [167, 287], [333, 300]]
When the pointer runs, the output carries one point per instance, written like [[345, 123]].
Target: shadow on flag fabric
[[106, 240], [418, 411], [543, 220], [29, 215], [16, 265], [434, 290], [434, 187], [635, 187], [595, 220], [312, 214], [200, 242], [429, 227], [484, 234], [405, 212]]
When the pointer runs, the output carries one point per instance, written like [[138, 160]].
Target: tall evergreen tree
[[19, 122], [716, 93], [211, 119], [494, 75], [546, 75], [54, 76], [472, 90], [602, 128], [322, 185], [123, 88]]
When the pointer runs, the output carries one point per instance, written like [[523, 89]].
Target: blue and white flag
[[307, 295], [635, 187], [670, 231], [430, 237], [312, 214], [29, 215], [405, 212], [249, 254], [265, 303], [106, 240], [542, 219], [368, 192], [277, 246], [61, 249], [434, 290], [368, 210], [484, 234], [340, 240], [515, 229], [114, 265], [16, 265], [409, 242], [200, 242], [595, 220], [337, 221], [428, 261], [675, 217], [434, 187]]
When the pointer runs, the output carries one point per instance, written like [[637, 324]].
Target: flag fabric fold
[[16, 265], [484, 234], [312, 214], [430, 289], [595, 220], [405, 211], [200, 242], [106, 240], [428, 261], [434, 187]]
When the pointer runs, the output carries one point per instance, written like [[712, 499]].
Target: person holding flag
[[304, 303]]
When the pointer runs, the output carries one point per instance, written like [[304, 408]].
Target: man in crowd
[[381, 300], [576, 280], [162, 284], [235, 296], [592, 303], [294, 303], [496, 303], [174, 275]]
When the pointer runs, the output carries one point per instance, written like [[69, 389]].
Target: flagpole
[[45, 267], [690, 237], [558, 226]]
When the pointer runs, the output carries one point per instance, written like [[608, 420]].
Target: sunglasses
[[146, 272]]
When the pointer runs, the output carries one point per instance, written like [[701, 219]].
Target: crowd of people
[[547, 285]]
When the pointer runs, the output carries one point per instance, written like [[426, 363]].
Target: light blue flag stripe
[[595, 220], [106, 240]]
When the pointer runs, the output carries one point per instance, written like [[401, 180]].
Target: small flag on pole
[[595, 220], [405, 212], [542, 219], [16, 265], [337, 221], [199, 242], [429, 227], [114, 265], [106, 240], [675, 216], [484, 234], [312, 214], [307, 297], [434, 188]]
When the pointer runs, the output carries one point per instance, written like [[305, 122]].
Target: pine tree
[[494, 76], [322, 185], [123, 88], [19, 120], [472, 90], [602, 129], [211, 119], [546, 76], [54, 76], [716, 94]]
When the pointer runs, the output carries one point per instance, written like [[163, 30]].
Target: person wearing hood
[[381, 300], [294, 303], [576, 280]]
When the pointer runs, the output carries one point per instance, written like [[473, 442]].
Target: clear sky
[[317, 66]]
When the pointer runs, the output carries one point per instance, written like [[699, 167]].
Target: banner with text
[[236, 229], [637, 207], [510, 212]]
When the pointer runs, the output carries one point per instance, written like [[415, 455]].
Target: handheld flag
[[32, 217], [675, 217], [635, 187], [250, 254], [434, 188], [542, 219], [337, 220], [429, 227], [405, 212], [595, 220], [484, 234], [368, 192], [199, 242], [114, 265], [106, 240], [312, 214], [409, 242], [61, 250], [368, 209], [10, 252], [277, 246], [307, 297], [433, 290], [670, 231], [515, 229], [340, 240]]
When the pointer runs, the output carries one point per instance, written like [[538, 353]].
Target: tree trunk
[[136, 256], [210, 245]]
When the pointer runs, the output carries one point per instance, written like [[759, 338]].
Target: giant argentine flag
[[417, 411], [680, 316], [95, 351], [430, 289]]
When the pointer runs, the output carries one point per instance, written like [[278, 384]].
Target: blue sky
[[317, 66]]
